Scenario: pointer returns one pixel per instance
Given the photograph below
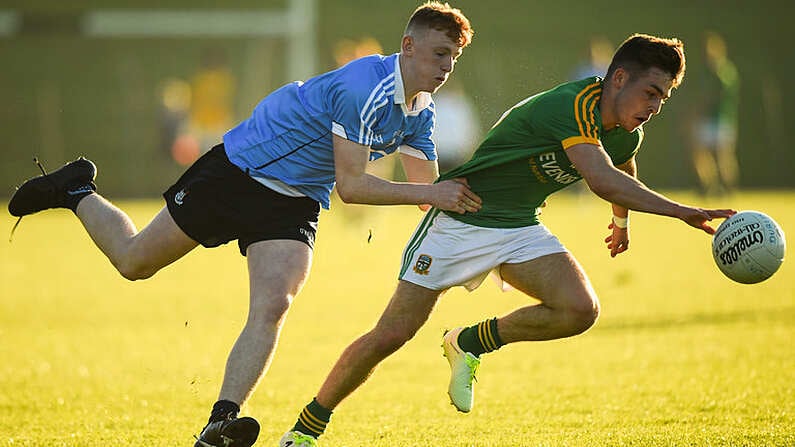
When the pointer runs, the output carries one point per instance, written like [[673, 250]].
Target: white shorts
[[443, 252], [716, 136]]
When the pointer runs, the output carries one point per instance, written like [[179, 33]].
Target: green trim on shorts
[[416, 239]]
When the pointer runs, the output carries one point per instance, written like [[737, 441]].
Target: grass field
[[681, 356]]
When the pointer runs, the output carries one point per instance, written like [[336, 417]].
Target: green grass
[[680, 356]]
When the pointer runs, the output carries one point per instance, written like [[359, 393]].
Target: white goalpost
[[271, 45], [296, 24]]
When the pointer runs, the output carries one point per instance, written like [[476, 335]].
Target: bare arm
[[619, 188], [354, 185], [419, 171], [618, 240], [630, 167]]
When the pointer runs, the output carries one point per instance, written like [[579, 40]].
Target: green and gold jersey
[[523, 158]]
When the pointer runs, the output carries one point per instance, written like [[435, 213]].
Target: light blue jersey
[[288, 137]]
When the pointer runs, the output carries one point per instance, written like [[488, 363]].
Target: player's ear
[[620, 77], [407, 45]]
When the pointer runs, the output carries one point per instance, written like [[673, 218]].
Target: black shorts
[[215, 202]]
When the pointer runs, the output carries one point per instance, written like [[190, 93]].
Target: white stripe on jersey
[[371, 117], [379, 101], [411, 152], [376, 100], [339, 130]]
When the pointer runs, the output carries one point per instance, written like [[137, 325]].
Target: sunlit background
[[142, 87]]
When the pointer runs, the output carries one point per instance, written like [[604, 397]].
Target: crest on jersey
[[423, 264]]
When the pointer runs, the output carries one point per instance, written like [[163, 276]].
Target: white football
[[748, 247]]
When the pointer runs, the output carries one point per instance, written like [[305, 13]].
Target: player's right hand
[[699, 217], [454, 195]]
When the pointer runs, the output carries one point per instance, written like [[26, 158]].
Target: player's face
[[432, 57], [641, 97]]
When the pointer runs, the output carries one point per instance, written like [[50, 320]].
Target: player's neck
[[607, 111], [409, 91]]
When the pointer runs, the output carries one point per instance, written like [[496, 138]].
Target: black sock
[[78, 193], [313, 419], [480, 338], [222, 409]]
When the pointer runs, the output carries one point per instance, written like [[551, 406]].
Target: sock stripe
[[309, 429], [313, 419], [317, 418], [482, 337], [312, 422], [495, 334], [485, 336], [490, 328]]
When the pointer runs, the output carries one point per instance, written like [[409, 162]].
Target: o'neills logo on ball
[[738, 241], [423, 264]]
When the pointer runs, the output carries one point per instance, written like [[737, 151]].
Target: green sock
[[313, 419], [480, 338]]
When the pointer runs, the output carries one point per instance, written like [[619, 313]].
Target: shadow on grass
[[780, 315]]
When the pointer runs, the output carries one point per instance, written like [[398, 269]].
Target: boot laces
[[44, 174]]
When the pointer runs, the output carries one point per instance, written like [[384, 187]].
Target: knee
[[583, 315], [268, 311]]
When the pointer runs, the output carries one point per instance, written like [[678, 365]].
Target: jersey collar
[[422, 101]]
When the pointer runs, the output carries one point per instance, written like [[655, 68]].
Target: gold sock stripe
[[314, 421], [492, 339], [484, 333], [311, 421], [482, 337]]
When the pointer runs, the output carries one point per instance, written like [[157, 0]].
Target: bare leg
[[406, 313], [704, 164], [277, 271], [136, 255], [727, 168], [569, 305]]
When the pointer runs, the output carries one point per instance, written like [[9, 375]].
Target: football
[[748, 247]]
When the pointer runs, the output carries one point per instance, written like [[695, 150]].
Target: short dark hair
[[641, 52], [442, 17]]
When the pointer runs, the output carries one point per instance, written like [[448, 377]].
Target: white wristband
[[621, 222]]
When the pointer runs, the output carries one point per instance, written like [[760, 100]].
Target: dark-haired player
[[588, 129]]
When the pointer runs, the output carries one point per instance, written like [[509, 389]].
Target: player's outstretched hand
[[618, 241], [699, 217], [455, 195]]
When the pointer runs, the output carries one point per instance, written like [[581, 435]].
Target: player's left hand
[[618, 241], [455, 195]]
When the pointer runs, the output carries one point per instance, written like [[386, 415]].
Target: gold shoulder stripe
[[571, 141], [591, 117], [584, 103], [587, 112]]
